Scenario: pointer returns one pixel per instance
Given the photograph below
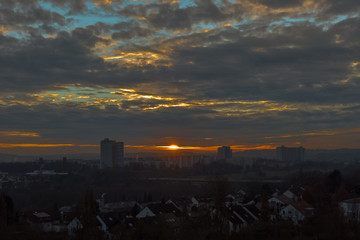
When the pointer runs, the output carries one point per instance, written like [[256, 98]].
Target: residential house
[[240, 216], [351, 208], [297, 211], [202, 201], [74, 226], [40, 220], [154, 209], [168, 213], [294, 193]]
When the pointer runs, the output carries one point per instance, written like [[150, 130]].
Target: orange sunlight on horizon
[[136, 148], [173, 147]]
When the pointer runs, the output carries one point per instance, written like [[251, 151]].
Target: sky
[[251, 74]]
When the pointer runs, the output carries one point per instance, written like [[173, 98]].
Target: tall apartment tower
[[290, 154], [111, 153], [224, 153], [119, 155]]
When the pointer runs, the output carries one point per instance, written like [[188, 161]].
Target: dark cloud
[[134, 32], [29, 15], [343, 7], [74, 6], [171, 16], [347, 32], [18, 3], [280, 3], [42, 62], [89, 124], [206, 11], [87, 37]]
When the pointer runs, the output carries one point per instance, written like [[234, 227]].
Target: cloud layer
[[197, 73]]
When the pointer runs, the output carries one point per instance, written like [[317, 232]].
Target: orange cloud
[[319, 133], [37, 145], [3, 29], [253, 147], [19, 134], [102, 2], [131, 59]]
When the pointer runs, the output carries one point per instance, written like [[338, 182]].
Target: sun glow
[[173, 147]]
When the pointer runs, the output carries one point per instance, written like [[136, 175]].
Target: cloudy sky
[[253, 74]]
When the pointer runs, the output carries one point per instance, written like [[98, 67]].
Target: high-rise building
[[111, 153], [290, 154], [120, 153], [224, 153]]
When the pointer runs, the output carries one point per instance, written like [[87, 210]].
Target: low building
[[154, 209], [297, 212], [351, 209], [240, 216], [74, 226]]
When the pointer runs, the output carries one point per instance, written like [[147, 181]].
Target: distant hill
[[268, 153], [333, 155]]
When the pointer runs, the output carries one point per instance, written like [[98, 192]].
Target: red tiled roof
[[301, 206]]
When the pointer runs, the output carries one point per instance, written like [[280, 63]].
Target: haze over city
[[196, 74]]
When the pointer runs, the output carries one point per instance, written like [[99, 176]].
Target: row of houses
[[236, 214]]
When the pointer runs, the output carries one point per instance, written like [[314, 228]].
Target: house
[[129, 221], [281, 200], [235, 199], [202, 201], [40, 220], [234, 222], [240, 196], [278, 202], [168, 213], [59, 227], [107, 221], [182, 203], [154, 209], [294, 193], [74, 226], [297, 211], [253, 210], [172, 222], [118, 207], [230, 198], [351, 209], [65, 213], [240, 216]]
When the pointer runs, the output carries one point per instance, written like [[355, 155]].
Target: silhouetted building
[[290, 154], [224, 153], [111, 153], [120, 153]]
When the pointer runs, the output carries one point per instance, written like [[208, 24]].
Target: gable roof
[[282, 198], [302, 206], [253, 210], [40, 216], [240, 214], [161, 208], [352, 200], [110, 219], [296, 190]]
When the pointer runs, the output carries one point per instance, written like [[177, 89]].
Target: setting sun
[[173, 147]]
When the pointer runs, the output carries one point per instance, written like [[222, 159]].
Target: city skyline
[[194, 74]]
